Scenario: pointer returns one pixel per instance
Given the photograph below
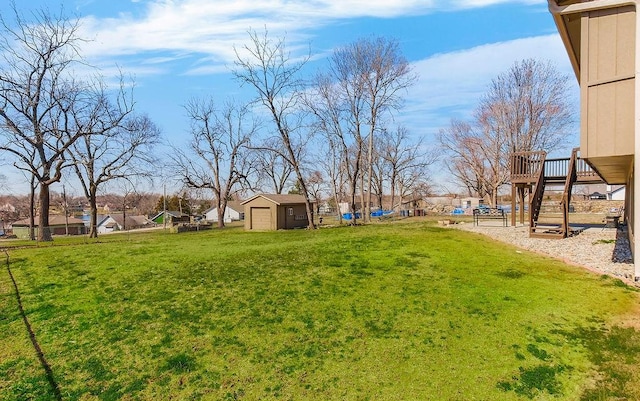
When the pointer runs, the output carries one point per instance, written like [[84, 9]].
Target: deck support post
[[513, 205], [521, 194]]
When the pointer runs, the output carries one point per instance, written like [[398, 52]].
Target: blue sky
[[178, 49]]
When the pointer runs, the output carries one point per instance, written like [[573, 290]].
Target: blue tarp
[[349, 216], [380, 213], [375, 213]]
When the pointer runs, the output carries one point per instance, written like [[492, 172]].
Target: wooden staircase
[[534, 171]]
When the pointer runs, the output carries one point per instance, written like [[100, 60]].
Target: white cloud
[[485, 3], [451, 84], [214, 27]]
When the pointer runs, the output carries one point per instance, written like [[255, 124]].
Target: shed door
[[260, 218]]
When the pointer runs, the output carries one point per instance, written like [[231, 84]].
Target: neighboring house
[[173, 217], [603, 47], [325, 208], [233, 212], [597, 196], [345, 207], [275, 212], [57, 224], [616, 192], [115, 222], [471, 203]]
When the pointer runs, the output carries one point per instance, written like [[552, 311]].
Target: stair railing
[[536, 199], [572, 176]]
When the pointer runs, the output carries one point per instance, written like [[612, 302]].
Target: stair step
[[546, 234]]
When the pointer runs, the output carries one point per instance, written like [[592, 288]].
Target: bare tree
[[36, 90], [405, 162], [272, 167], [315, 186], [115, 144], [476, 158], [330, 160], [218, 156], [363, 83], [528, 107], [266, 66], [525, 109], [387, 73], [336, 101]]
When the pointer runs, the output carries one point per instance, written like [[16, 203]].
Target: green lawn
[[398, 311]]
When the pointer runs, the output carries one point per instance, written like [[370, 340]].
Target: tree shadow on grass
[[32, 336], [614, 352]]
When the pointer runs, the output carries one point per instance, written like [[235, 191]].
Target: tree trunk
[[93, 218], [335, 197], [32, 210], [222, 206], [352, 206], [392, 184], [124, 217], [369, 176], [307, 202], [363, 207], [44, 231]]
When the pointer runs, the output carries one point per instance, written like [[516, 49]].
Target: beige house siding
[[608, 90], [292, 216], [602, 42], [629, 211]]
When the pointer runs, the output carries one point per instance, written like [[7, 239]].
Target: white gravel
[[605, 251]]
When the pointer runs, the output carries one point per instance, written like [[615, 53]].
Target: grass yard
[[399, 311]]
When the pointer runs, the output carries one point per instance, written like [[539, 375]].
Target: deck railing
[[525, 167], [584, 172]]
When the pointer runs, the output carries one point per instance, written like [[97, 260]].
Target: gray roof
[[132, 221]]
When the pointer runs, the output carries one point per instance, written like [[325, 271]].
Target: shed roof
[[279, 199], [131, 221]]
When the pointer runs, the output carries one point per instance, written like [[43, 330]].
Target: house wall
[[229, 215], [22, 232], [607, 78], [629, 215], [470, 202], [102, 228], [606, 44], [292, 216]]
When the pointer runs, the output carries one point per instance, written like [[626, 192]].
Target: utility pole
[[66, 214], [164, 198]]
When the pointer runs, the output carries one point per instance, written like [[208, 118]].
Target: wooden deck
[[525, 169], [532, 172]]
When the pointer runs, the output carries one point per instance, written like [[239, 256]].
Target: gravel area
[[605, 251]]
